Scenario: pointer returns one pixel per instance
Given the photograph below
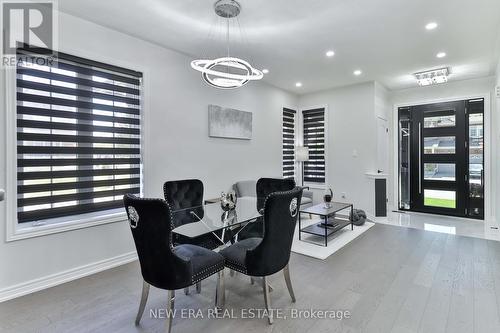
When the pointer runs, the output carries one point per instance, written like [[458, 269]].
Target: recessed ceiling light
[[357, 72], [298, 84], [330, 53], [441, 55], [431, 26], [265, 71]]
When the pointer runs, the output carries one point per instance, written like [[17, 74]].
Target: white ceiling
[[386, 39]]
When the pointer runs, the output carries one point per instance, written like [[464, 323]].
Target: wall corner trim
[[53, 280]]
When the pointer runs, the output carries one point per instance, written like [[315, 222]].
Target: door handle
[[419, 158]]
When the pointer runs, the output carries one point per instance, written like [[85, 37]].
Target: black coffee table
[[332, 223]]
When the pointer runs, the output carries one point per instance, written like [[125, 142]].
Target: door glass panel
[[440, 198], [439, 171], [404, 164], [476, 168], [439, 145], [439, 121]]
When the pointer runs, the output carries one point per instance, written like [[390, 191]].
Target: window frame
[[324, 185], [14, 229]]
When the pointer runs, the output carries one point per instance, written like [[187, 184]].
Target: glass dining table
[[211, 218]]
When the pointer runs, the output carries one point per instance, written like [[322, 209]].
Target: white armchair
[[246, 188]]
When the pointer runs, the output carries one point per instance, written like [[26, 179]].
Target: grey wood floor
[[391, 279]]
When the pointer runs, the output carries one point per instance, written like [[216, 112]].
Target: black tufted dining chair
[[185, 196], [164, 265], [181, 194], [264, 187], [263, 256]]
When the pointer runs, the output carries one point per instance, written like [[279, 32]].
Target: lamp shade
[[301, 154]]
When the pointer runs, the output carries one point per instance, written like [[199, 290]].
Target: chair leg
[[170, 310], [186, 291], [286, 273], [267, 299], [253, 279], [198, 287], [220, 291], [144, 299]]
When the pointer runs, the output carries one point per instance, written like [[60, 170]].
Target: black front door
[[438, 165]]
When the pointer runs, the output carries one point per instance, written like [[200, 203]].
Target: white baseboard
[[52, 280], [492, 223]]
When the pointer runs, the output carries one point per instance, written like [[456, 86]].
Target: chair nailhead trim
[[206, 272], [235, 266]]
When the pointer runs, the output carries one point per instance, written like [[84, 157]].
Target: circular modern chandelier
[[226, 72]]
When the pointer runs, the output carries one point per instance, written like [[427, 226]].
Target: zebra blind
[[288, 143], [78, 136], [314, 138]]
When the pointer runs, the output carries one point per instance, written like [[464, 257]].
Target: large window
[[78, 137], [314, 139], [288, 133]]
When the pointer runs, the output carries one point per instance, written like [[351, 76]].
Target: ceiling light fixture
[[441, 55], [298, 84], [330, 53], [431, 26], [227, 72], [357, 72], [265, 71], [434, 76]]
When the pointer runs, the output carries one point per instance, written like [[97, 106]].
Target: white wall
[[382, 101], [382, 113], [455, 90], [495, 110], [498, 73], [176, 146], [351, 131]]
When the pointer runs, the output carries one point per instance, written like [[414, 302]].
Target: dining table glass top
[[200, 220]]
